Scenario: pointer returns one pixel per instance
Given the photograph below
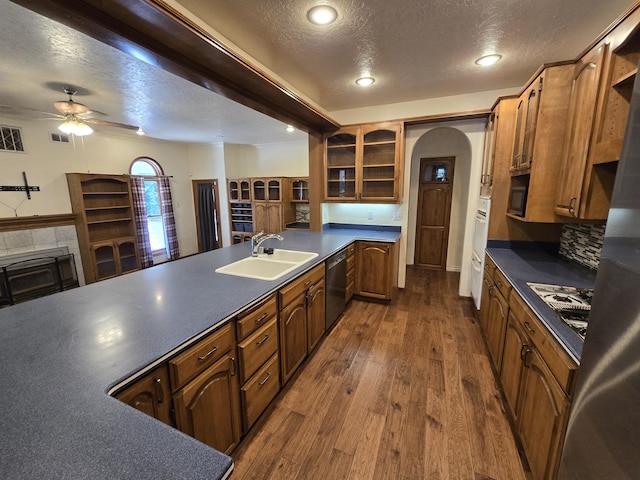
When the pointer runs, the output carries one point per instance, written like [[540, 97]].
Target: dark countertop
[[535, 265], [61, 354]]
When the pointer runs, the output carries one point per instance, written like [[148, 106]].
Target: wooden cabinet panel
[[208, 408], [195, 359], [151, 395], [364, 163], [257, 349], [496, 325], [375, 276], [291, 291], [258, 392], [516, 347], [315, 314], [542, 422], [293, 336]]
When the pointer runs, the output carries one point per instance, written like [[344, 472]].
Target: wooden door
[[207, 208], [293, 336], [373, 271], [208, 408], [516, 346], [542, 417], [315, 314], [150, 395], [274, 218], [498, 308], [485, 302], [434, 210], [260, 217]]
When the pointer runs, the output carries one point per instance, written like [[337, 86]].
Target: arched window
[[151, 170]]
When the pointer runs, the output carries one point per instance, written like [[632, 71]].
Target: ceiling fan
[[76, 117]]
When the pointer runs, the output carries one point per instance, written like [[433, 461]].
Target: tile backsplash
[[582, 244]]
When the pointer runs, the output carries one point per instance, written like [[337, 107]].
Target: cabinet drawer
[[256, 317], [351, 249], [295, 288], [351, 263], [258, 392], [502, 283], [198, 357], [489, 267], [257, 348], [562, 367]]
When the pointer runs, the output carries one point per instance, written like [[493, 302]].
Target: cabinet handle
[[265, 380], [528, 327], [264, 315], [232, 366], [499, 283], [572, 204], [159, 391], [207, 355], [491, 291], [260, 342], [524, 354], [308, 282]]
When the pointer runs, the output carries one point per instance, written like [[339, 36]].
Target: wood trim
[[36, 221], [446, 117], [166, 39]]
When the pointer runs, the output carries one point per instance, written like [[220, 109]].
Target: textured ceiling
[[416, 49]]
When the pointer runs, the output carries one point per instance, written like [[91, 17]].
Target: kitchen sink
[[268, 267]]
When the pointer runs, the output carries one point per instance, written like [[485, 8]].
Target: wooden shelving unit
[[105, 224]]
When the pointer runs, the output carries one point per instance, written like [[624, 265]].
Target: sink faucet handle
[[258, 235]]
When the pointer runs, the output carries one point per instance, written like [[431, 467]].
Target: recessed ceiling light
[[488, 60], [365, 81], [290, 128], [322, 15]]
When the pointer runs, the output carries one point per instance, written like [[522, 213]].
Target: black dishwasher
[[336, 276]]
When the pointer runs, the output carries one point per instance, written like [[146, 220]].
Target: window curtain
[[207, 218], [140, 214], [168, 218]]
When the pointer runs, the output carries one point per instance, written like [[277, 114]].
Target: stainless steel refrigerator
[[603, 435]]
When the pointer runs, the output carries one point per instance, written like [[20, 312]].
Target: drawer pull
[[528, 327], [524, 354], [308, 282], [207, 355], [260, 342], [232, 366], [264, 315], [159, 391], [265, 380]]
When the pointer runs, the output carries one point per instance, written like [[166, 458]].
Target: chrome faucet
[[260, 237]]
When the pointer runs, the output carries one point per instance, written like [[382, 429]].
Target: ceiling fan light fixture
[[488, 60], [365, 81], [75, 127], [322, 15]]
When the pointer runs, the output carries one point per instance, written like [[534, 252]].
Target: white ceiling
[[416, 49]]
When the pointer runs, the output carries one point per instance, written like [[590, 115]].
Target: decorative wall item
[[582, 244]]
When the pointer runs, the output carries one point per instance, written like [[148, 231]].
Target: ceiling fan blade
[[94, 121], [12, 111]]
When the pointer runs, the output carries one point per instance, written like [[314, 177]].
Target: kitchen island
[[61, 355]]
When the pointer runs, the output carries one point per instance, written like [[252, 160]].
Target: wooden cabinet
[[150, 395], [537, 376], [301, 308], [495, 313], [363, 163], [239, 190], [300, 190], [271, 206], [105, 224], [351, 272], [258, 359], [575, 174], [376, 270], [538, 144], [206, 399]]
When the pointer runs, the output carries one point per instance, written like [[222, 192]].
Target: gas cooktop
[[571, 304]]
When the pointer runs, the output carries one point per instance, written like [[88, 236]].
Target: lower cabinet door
[[208, 407], [150, 395], [258, 392], [497, 323], [542, 417], [293, 336], [516, 346], [315, 314]]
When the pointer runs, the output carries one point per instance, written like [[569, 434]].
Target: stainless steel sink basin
[[268, 267]]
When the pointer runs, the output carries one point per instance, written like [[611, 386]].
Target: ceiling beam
[[159, 35]]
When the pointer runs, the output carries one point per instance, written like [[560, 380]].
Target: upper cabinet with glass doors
[[364, 164]]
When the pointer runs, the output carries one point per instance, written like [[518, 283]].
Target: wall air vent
[[11, 139], [59, 137]]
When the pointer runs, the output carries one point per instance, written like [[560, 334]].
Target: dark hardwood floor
[[398, 391]]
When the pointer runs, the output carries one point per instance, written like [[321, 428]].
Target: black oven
[[517, 200]]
